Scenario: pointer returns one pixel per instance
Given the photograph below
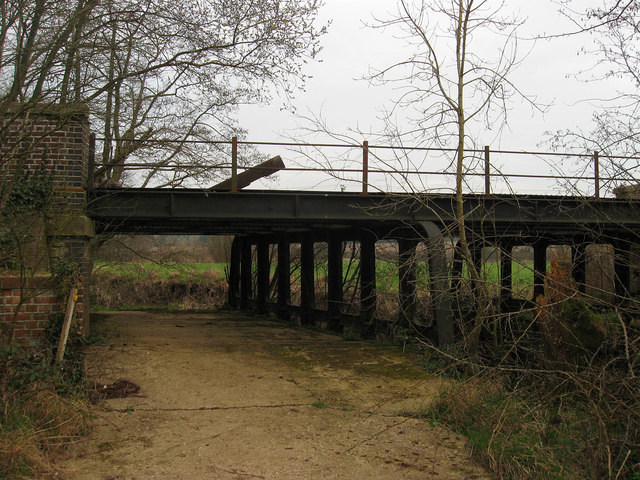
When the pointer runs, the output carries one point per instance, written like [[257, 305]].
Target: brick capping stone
[[75, 111], [71, 226], [8, 282]]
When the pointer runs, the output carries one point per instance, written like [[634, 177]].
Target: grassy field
[[151, 270], [386, 276]]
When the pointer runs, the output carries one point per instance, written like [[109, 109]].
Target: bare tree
[[615, 51], [158, 75], [452, 82]]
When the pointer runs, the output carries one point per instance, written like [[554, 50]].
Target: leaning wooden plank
[[64, 334]]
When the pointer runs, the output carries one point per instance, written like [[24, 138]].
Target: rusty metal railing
[[317, 160]]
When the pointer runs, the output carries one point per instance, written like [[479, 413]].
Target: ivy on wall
[[31, 192], [27, 195]]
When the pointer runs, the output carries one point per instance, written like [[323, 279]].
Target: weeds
[[515, 437], [43, 411], [557, 406], [205, 290], [560, 398]]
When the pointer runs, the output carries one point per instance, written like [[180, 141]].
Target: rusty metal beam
[[196, 211], [251, 175]]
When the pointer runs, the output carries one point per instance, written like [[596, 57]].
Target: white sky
[[350, 48]]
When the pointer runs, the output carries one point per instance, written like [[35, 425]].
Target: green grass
[[517, 437], [386, 272], [144, 270], [387, 275]]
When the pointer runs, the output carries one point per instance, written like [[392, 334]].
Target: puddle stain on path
[[226, 396]]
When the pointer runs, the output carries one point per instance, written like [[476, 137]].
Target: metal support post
[[368, 299], [264, 268], [487, 171], [506, 279], [245, 273], [596, 172], [284, 277], [334, 277], [234, 164], [307, 283], [234, 272], [407, 281], [365, 167], [539, 267]]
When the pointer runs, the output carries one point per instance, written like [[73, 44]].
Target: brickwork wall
[[54, 138], [27, 307]]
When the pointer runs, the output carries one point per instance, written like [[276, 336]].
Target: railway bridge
[[281, 236], [274, 229]]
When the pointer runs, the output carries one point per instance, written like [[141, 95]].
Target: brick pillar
[[51, 141]]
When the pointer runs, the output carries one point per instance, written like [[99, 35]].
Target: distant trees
[[156, 74]]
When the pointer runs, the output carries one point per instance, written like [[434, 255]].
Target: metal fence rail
[[379, 167]]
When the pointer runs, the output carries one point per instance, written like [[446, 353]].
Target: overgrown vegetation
[[178, 290], [43, 414], [175, 272], [560, 399]]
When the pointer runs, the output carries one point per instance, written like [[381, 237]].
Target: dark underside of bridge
[[272, 221]]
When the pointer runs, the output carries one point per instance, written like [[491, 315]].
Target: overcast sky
[[337, 93]]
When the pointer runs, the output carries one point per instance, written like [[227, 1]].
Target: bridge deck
[[210, 212]]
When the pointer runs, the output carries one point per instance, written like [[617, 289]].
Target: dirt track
[[225, 396]]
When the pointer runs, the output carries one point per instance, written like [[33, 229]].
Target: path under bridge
[[268, 224]]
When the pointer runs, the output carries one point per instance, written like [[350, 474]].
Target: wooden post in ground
[[66, 324]]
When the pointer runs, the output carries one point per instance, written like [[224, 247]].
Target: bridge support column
[[622, 268], [234, 273], [539, 267], [456, 270], [368, 294], [475, 247], [407, 281], [439, 282], [245, 273], [264, 268], [579, 265], [284, 277], [506, 279], [334, 278], [307, 280]]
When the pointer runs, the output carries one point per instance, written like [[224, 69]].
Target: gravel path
[[226, 396]]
